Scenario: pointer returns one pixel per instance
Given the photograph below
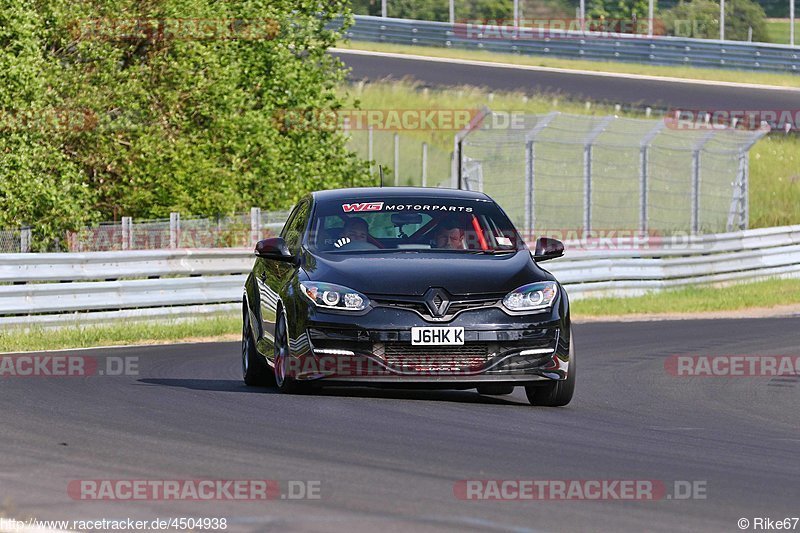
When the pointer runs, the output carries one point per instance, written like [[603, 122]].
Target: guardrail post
[[25, 240], [174, 229], [255, 225], [127, 237], [424, 164], [396, 159]]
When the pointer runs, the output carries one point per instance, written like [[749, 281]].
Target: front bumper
[[376, 348]]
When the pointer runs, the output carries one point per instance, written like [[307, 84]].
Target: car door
[[272, 277]]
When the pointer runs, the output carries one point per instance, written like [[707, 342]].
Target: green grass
[[775, 182], [774, 160], [778, 31], [77, 336], [765, 78], [760, 294], [228, 327], [405, 95]]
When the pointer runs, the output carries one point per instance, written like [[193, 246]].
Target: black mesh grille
[[409, 358]]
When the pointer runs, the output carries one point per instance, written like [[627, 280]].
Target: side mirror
[[274, 249], [547, 248]]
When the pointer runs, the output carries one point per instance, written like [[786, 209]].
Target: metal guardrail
[[112, 266], [658, 50], [748, 255], [51, 289]]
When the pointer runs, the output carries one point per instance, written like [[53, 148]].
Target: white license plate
[[441, 336]]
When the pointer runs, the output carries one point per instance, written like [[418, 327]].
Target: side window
[[293, 230]]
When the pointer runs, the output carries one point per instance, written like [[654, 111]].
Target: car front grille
[[408, 358], [456, 306]]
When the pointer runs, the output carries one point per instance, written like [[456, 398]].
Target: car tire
[[495, 390], [557, 393], [285, 384], [255, 371]]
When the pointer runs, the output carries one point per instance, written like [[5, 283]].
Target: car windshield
[[463, 225]]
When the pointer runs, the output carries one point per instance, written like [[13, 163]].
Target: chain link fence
[[241, 230], [583, 174], [415, 159], [15, 241]]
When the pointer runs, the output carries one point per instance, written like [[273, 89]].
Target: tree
[[700, 19], [179, 100]]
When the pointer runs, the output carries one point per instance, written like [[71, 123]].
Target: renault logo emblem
[[437, 300]]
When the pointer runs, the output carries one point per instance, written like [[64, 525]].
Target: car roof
[[396, 192]]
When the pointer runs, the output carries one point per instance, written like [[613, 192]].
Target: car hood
[[414, 273]]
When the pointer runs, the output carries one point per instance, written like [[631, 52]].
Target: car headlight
[[532, 297], [330, 296]]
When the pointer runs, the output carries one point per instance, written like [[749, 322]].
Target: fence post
[[370, 150], [424, 164], [174, 230], [695, 223], [396, 159], [744, 166], [644, 161], [458, 147], [530, 171], [127, 238], [25, 240], [587, 171], [255, 226], [737, 202], [698, 147], [529, 189], [745, 215]]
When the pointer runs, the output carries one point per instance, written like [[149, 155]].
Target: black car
[[406, 287]]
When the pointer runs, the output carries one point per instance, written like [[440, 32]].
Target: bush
[[161, 122], [700, 19]]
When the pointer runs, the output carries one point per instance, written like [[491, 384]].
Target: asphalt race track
[[614, 90], [388, 460]]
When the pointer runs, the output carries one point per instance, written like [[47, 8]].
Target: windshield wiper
[[493, 252]]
